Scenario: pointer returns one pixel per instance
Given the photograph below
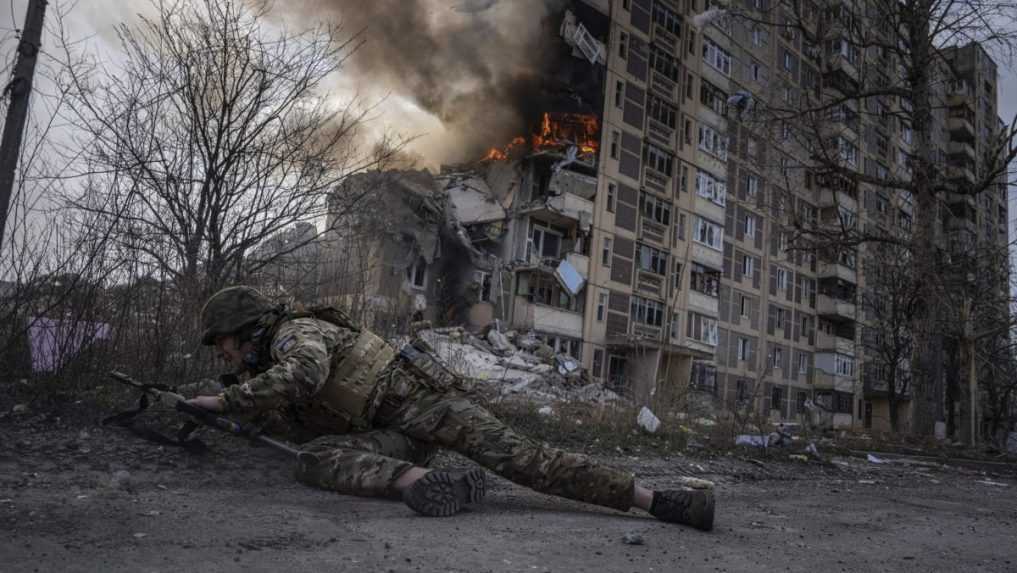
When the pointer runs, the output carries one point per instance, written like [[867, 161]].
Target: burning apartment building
[[626, 222]]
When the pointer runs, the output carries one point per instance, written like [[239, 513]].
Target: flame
[[495, 154], [562, 129], [557, 131]]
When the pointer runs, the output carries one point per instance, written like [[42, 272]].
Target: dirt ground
[[102, 500]]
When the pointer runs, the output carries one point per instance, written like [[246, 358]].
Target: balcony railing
[[830, 307]]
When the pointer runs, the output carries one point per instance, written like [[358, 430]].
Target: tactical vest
[[348, 399]]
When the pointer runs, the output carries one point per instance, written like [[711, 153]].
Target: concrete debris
[[537, 373], [19, 409], [648, 421], [545, 411], [632, 538], [876, 460], [500, 343], [992, 483], [566, 364], [472, 202], [798, 458]]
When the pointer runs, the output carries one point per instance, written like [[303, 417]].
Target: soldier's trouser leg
[[366, 464], [450, 420]]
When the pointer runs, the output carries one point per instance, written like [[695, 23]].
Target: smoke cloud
[[463, 74]]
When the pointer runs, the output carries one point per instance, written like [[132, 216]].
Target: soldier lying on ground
[[370, 418]]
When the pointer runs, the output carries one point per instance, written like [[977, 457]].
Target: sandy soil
[[102, 500]]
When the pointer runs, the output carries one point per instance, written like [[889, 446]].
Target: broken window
[[615, 137], [546, 290], [483, 282], [709, 233], [658, 159], [652, 260], [703, 329], [663, 111], [704, 376], [619, 94], [545, 243], [743, 348], [713, 97], [655, 209], [716, 57], [616, 371], [710, 187], [417, 273], [623, 45], [776, 398], [713, 142], [704, 280], [601, 306], [667, 18], [646, 311], [605, 256], [561, 344], [611, 193], [664, 63]]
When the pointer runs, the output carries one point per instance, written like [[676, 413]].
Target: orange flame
[[557, 130], [560, 129]]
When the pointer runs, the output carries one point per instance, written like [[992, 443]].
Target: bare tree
[[214, 135], [889, 300]]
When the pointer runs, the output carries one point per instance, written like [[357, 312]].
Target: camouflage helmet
[[231, 309]]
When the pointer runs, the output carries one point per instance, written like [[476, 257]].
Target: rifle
[[198, 417]]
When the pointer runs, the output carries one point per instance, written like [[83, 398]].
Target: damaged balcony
[[545, 303], [560, 195], [837, 382], [841, 268], [704, 290], [960, 122], [836, 300], [838, 338]]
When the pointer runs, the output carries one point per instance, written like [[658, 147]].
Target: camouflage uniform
[[411, 412]]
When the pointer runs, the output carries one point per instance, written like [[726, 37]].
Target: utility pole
[[19, 90]]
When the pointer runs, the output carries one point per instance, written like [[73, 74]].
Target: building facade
[[696, 278]]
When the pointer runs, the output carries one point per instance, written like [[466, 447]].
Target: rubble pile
[[511, 364]]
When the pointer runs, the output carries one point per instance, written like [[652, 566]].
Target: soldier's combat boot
[[441, 494], [687, 506]]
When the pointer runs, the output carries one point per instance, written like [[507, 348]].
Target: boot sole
[[442, 494]]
